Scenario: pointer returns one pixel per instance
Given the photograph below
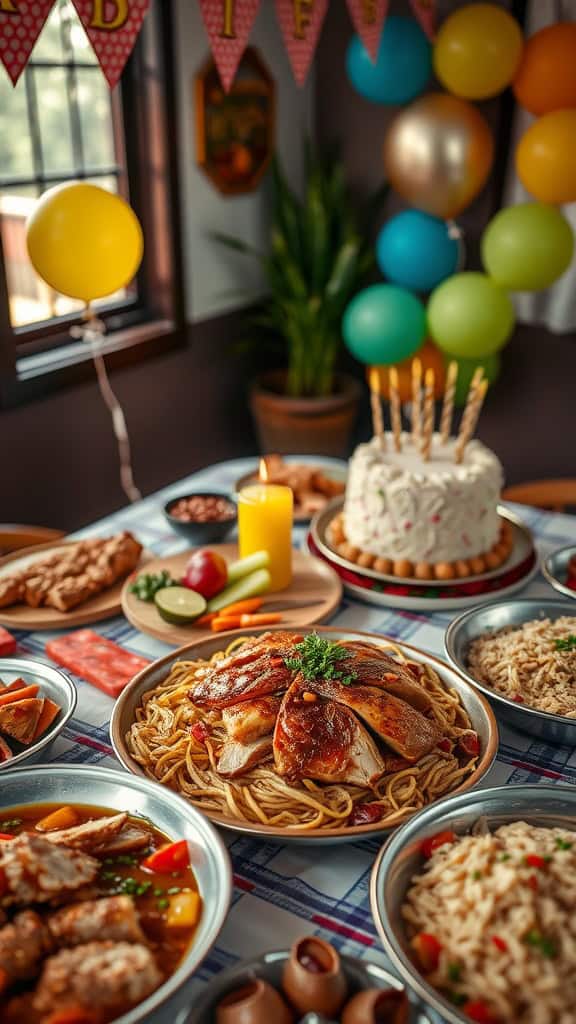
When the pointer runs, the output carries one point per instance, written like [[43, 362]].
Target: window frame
[[38, 358]]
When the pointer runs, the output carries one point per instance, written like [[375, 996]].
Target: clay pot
[[376, 1006], [324, 990], [255, 1002], [313, 426]]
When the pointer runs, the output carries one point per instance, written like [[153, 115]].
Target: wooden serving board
[[312, 581], [20, 616]]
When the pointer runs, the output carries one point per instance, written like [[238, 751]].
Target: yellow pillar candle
[[265, 524]]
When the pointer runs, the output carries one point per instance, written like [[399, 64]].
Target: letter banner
[[301, 22], [425, 11], [368, 17], [21, 22], [112, 27], [228, 24]]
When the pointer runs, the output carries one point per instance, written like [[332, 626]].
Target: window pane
[[15, 147], [96, 119], [49, 45], [54, 116], [78, 46]]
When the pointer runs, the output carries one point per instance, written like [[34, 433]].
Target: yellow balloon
[[83, 241], [546, 157], [477, 51], [438, 154]]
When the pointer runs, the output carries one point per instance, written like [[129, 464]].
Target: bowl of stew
[[112, 892], [205, 517]]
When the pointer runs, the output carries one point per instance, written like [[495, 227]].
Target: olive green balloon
[[466, 370], [527, 247], [469, 316]]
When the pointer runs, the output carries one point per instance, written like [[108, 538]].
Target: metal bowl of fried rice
[[521, 654], [473, 901]]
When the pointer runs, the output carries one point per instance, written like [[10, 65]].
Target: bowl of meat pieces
[[36, 702], [204, 517]]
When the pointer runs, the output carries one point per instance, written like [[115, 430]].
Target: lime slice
[[179, 604]]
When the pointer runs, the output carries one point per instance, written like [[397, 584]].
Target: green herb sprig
[[565, 643], [537, 940], [319, 658], [148, 583]]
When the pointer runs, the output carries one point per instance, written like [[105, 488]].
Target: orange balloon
[[546, 158], [546, 78], [430, 357]]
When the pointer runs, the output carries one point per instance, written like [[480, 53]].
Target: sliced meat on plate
[[372, 666], [20, 719], [237, 758], [111, 918], [34, 870], [128, 840], [91, 834], [251, 719], [254, 670], [23, 944], [318, 739]]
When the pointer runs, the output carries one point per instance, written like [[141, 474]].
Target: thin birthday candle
[[376, 403], [448, 406], [395, 411], [416, 400], [428, 422], [468, 426]]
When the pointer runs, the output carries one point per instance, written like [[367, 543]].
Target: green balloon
[[466, 369], [469, 316], [384, 324], [527, 247]]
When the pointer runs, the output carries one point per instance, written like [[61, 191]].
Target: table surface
[[283, 892]]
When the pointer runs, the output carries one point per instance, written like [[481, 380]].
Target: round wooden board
[[21, 616], [312, 581]]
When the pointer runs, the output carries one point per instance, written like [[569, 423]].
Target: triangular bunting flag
[[301, 22], [228, 24], [112, 26], [21, 22], [425, 11], [368, 17]]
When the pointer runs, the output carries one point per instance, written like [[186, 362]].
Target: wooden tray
[[20, 616], [312, 581]]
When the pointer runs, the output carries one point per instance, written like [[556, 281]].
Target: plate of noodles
[[319, 735]]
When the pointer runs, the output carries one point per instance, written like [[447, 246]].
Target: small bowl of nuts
[[203, 518]]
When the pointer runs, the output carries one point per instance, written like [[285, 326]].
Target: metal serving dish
[[490, 617], [53, 684], [360, 975], [123, 715], [555, 570], [101, 787], [400, 859]]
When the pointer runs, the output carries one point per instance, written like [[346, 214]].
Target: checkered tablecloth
[[282, 892]]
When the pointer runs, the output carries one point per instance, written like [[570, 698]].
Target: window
[[62, 123]]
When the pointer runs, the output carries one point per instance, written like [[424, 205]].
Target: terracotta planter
[[315, 426]]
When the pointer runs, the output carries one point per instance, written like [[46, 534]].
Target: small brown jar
[[255, 1002], [313, 978], [376, 1006]]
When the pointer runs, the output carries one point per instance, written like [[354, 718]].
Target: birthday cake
[[424, 510]]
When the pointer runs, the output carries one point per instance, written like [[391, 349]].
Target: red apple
[[206, 573]]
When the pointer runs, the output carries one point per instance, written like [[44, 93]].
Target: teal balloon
[[416, 250], [466, 370], [469, 316], [384, 324], [527, 247], [402, 68]]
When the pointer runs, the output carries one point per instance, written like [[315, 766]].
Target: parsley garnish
[[454, 972], [476, 875], [562, 844], [539, 941], [148, 583], [319, 658], [565, 643]]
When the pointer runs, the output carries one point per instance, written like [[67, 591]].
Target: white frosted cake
[[423, 518]]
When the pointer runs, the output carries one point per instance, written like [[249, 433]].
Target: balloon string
[[93, 332]]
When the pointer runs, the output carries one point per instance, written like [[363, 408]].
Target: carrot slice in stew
[[47, 716], [174, 857], [63, 817], [22, 693]]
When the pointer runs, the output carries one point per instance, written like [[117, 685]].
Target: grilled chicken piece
[[19, 720], [112, 918], [23, 944], [128, 840], [251, 719], [320, 740], [254, 670], [374, 667], [11, 590], [403, 728], [35, 870], [237, 758], [92, 835], [109, 977]]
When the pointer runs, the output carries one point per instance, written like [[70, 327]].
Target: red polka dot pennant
[[21, 22], [228, 24], [112, 27], [301, 23], [368, 17], [425, 11]]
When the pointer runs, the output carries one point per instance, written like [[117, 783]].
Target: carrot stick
[[206, 620], [47, 716], [250, 604], [266, 619], [23, 693], [223, 622], [16, 684]]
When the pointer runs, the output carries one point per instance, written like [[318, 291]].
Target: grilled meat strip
[[374, 667], [237, 758], [113, 976], [403, 728], [91, 835], [319, 739], [254, 670], [23, 945], [34, 870], [112, 918], [251, 719]]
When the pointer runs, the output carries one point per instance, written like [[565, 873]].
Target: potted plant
[[320, 255]]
